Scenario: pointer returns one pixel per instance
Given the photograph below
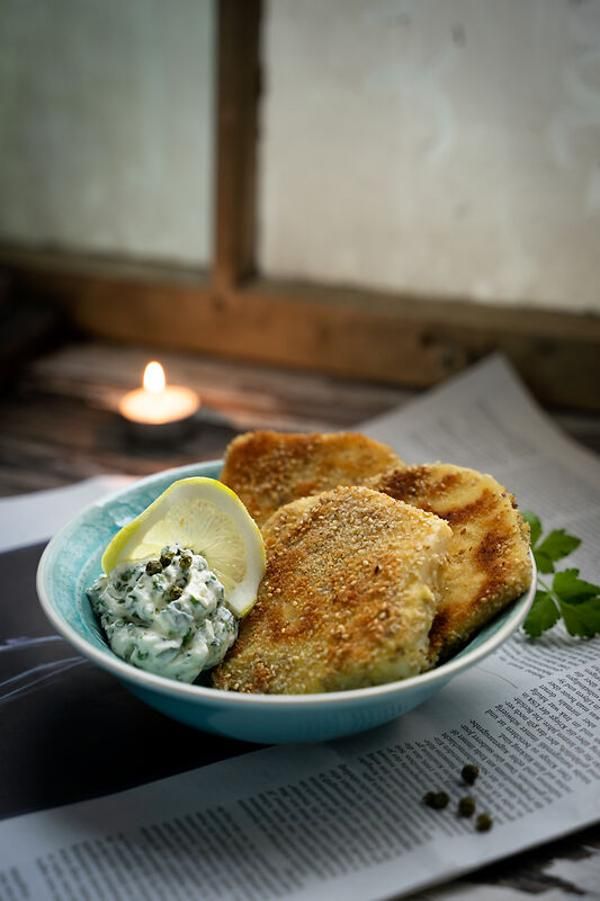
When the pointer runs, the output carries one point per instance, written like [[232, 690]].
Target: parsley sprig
[[568, 596]]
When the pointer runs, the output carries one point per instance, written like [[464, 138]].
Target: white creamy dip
[[166, 615]]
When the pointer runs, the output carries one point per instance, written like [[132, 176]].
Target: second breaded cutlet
[[348, 597], [269, 469], [488, 563]]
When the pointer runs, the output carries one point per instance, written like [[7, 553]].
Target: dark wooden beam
[[391, 338], [238, 88]]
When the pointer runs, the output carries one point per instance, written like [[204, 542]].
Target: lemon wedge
[[204, 515]]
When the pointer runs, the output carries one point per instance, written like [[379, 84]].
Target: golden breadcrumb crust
[[488, 563], [348, 597], [269, 469]]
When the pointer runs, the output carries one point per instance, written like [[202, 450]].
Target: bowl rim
[[217, 696]]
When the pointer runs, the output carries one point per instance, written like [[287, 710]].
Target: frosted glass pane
[[106, 116], [445, 146]]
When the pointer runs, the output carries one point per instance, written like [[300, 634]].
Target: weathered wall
[[446, 146], [438, 146], [106, 122]]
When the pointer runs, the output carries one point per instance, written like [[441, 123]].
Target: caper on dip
[[165, 614]]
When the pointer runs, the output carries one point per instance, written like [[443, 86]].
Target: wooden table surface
[[59, 426]]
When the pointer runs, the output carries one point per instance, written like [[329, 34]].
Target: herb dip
[[166, 614]]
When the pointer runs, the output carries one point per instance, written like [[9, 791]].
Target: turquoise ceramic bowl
[[70, 564]]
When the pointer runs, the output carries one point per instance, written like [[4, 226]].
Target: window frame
[[231, 310]]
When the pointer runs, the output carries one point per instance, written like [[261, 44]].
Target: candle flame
[[154, 378]]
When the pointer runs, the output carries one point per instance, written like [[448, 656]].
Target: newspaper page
[[346, 817], [31, 518]]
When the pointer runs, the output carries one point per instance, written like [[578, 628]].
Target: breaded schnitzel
[[269, 469], [348, 598], [488, 562]]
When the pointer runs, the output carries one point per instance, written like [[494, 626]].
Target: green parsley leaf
[[579, 603], [569, 597], [555, 546], [535, 526], [543, 562], [571, 589], [543, 615], [582, 619]]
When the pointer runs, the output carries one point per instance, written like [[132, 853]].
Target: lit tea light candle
[[158, 409]]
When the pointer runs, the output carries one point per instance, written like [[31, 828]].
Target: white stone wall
[[106, 126], [438, 146]]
